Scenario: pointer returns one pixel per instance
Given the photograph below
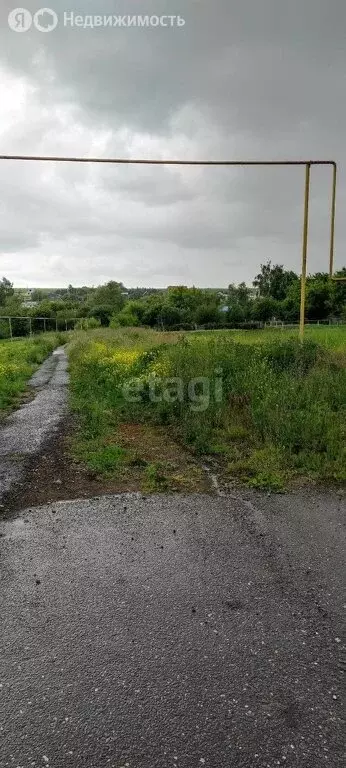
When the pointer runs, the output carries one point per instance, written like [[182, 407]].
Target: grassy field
[[264, 409], [328, 336], [18, 360]]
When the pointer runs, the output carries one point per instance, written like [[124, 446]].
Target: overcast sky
[[260, 79]]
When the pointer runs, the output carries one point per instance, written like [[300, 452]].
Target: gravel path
[[27, 428]]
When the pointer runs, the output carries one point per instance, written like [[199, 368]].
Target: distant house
[[27, 300]]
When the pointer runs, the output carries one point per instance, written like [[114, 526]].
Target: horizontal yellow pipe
[[129, 161]]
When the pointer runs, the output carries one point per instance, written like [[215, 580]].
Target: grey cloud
[[252, 79]]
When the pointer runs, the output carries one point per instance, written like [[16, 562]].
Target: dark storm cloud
[[254, 79]]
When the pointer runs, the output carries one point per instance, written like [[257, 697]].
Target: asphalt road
[[171, 631], [166, 631]]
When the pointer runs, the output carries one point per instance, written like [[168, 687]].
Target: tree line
[[274, 294]]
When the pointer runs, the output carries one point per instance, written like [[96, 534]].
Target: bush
[[125, 318], [87, 323], [293, 355]]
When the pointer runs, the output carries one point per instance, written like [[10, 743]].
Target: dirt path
[[36, 459], [25, 431]]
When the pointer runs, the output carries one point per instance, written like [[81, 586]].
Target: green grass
[[270, 411], [155, 479], [328, 336], [18, 361]]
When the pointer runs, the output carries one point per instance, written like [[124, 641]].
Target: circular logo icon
[[20, 20], [45, 20]]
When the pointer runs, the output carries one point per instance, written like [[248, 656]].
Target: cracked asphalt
[[170, 631]]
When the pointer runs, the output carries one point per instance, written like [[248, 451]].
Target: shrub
[[293, 355]]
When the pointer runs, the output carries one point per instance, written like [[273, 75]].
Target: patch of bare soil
[[163, 463], [53, 474]]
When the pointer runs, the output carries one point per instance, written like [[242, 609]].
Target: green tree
[[339, 294], [47, 308], [111, 295], [13, 306], [38, 294], [289, 308], [106, 301], [243, 295], [274, 281], [171, 315], [319, 299], [128, 315], [136, 309], [239, 304], [236, 314], [207, 313], [102, 312], [6, 290], [264, 309], [153, 312]]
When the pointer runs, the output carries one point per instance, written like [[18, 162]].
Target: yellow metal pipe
[[305, 251], [306, 163], [332, 222], [137, 161]]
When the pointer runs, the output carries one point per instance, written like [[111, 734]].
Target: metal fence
[[282, 324], [16, 326], [20, 326], [248, 326]]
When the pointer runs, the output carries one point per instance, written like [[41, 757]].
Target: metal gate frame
[[233, 163]]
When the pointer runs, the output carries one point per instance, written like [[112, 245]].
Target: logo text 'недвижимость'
[[46, 20]]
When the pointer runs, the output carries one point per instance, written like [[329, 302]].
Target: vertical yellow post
[[305, 251], [332, 225]]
